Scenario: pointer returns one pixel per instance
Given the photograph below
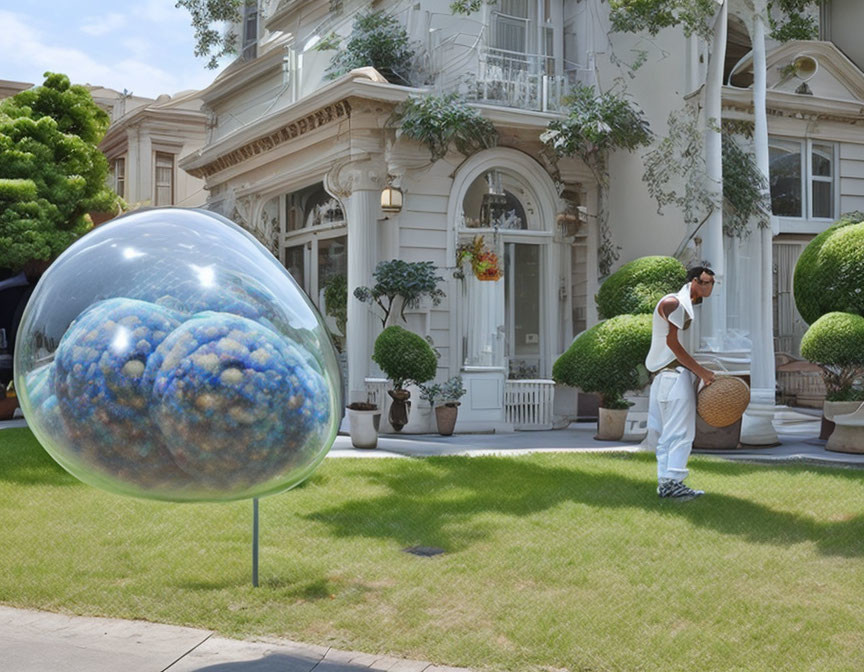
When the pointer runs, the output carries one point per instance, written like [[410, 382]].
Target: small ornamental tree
[[836, 343], [51, 172], [829, 272], [410, 280], [377, 40], [404, 357], [608, 359], [637, 286]]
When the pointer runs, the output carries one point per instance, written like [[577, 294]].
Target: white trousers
[[672, 416]]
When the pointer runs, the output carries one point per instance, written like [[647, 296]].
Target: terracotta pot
[[610, 424], [7, 407], [446, 417], [363, 427], [399, 408], [832, 408]]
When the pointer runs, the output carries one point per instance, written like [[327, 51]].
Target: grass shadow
[[436, 504]]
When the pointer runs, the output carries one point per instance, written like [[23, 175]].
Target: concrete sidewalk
[[37, 641]]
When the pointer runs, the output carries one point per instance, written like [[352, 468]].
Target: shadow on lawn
[[436, 502]]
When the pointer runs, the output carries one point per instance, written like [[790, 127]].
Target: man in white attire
[[672, 400]]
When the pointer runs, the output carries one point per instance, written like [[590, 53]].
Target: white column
[[714, 312], [485, 317], [361, 211], [757, 427]]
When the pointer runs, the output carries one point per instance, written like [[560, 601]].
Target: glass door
[[523, 310]]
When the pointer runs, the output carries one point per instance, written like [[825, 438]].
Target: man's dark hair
[[697, 271]]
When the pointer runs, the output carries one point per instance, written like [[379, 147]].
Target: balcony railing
[[460, 60]]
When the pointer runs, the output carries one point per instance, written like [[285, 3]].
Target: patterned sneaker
[[676, 490]]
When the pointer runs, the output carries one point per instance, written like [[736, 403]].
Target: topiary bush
[[404, 357], [608, 359], [636, 287], [828, 275], [836, 343]]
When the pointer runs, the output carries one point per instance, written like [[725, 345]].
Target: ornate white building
[[301, 161]]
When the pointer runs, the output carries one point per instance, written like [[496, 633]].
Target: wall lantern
[[391, 199]]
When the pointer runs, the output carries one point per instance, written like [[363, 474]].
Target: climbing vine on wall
[[594, 125]]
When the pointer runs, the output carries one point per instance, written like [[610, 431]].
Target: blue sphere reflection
[[168, 355]]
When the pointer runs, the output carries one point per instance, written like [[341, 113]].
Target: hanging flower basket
[[484, 262]]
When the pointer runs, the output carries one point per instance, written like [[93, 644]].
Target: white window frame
[[806, 222], [172, 199], [119, 175]]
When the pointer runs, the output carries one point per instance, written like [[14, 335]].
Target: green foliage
[[210, 40], [448, 392], [410, 280], [836, 342], [595, 124], [794, 26], [679, 158], [745, 190], [634, 16], [377, 40], [404, 357], [829, 272], [607, 359], [53, 173], [436, 121], [336, 300], [466, 7], [637, 286]]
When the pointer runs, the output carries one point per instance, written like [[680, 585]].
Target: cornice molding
[[796, 106], [321, 117]]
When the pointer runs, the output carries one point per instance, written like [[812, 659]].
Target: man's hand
[[706, 375]]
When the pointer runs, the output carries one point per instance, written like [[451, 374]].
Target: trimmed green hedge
[[836, 342], [404, 357], [830, 272], [608, 359], [637, 286]]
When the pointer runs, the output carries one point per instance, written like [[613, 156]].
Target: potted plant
[[608, 359], [484, 262], [364, 421], [449, 393], [404, 357], [836, 343], [397, 279]]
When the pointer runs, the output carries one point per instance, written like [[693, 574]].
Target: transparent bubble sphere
[[168, 355]]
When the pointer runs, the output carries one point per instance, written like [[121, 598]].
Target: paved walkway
[[37, 641], [33, 641]]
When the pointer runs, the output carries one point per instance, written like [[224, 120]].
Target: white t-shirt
[[660, 353]]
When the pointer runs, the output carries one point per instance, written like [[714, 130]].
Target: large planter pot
[[7, 407], [363, 427], [848, 434], [716, 438], [399, 408], [446, 417], [610, 424], [832, 408]]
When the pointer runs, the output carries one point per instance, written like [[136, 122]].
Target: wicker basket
[[724, 401]]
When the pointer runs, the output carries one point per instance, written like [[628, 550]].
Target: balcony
[[462, 62]]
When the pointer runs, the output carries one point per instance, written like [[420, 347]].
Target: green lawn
[[552, 561]]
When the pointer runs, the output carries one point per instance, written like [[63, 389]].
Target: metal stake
[[255, 542]]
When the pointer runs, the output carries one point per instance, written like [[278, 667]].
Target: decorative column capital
[[350, 175]]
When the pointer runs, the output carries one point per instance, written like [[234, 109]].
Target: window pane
[[823, 199], [785, 172], [332, 261], [294, 263], [822, 156], [164, 187]]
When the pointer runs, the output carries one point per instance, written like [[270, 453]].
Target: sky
[[145, 47]]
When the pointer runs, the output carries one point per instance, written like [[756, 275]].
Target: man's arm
[[684, 357]]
